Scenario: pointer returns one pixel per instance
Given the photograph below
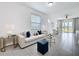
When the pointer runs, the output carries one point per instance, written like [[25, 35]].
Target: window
[[70, 24], [35, 23], [67, 26]]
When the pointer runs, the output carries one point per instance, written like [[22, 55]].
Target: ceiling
[[56, 8], [40, 6]]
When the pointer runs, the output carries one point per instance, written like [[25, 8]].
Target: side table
[[2, 44], [14, 39]]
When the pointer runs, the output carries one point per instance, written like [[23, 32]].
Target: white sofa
[[24, 42]]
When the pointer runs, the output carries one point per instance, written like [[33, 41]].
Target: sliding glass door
[[67, 26]]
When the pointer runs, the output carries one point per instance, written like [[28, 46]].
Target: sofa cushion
[[23, 33], [32, 38], [21, 36]]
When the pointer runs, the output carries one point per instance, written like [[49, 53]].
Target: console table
[[3, 42], [15, 40]]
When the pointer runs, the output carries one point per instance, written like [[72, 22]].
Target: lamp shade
[[9, 28]]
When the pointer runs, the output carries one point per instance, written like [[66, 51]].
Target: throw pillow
[[40, 32], [28, 34]]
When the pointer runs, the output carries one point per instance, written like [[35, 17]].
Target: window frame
[[36, 22]]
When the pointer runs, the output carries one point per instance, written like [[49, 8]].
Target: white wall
[[17, 15], [74, 12]]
